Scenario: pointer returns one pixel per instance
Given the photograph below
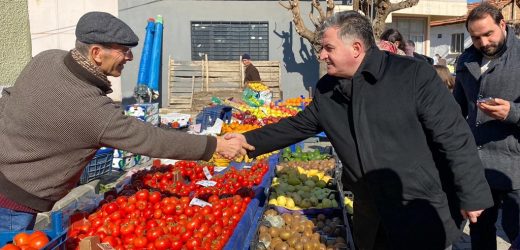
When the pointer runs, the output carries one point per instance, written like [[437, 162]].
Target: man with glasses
[[56, 116]]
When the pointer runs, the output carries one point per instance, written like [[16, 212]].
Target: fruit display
[[299, 155], [327, 166], [297, 189], [23, 240], [164, 179], [257, 86], [297, 101], [236, 127], [295, 231]]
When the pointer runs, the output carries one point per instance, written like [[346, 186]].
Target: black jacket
[[411, 143]]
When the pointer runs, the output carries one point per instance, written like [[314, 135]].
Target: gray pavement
[[465, 241]]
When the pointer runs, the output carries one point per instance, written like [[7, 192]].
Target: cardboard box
[[124, 163], [144, 109]]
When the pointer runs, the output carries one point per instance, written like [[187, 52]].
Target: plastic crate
[[210, 114], [100, 165], [57, 233]]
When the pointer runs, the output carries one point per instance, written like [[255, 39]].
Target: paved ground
[[465, 241]]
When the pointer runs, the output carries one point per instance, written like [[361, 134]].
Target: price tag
[[105, 246], [205, 183], [219, 169], [207, 173], [199, 202], [247, 167]]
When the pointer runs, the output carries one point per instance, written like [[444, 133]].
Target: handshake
[[232, 145]]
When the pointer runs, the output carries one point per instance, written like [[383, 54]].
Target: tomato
[[140, 241], [154, 233], [154, 197], [189, 211], [168, 209], [121, 200], [162, 243], [193, 243], [193, 224], [21, 239], [157, 214], [10, 247], [142, 195], [127, 228], [176, 244], [110, 207], [38, 242]]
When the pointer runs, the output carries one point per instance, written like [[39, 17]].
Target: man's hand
[[232, 145], [471, 215], [498, 110]]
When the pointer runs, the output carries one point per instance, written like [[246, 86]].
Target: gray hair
[[82, 48], [351, 25]]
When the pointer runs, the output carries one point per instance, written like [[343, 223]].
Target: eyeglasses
[[126, 51]]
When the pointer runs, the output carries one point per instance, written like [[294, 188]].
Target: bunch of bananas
[[244, 158], [220, 161], [257, 86], [266, 155]]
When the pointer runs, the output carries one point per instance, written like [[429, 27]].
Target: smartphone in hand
[[487, 100]]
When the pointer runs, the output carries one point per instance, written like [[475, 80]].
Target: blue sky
[[472, 1]]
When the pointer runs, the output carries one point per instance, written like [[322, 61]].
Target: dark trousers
[[483, 233]]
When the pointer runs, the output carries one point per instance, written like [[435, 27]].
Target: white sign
[[207, 173], [205, 183], [199, 202]]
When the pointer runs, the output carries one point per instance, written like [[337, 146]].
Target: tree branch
[[294, 7], [402, 5]]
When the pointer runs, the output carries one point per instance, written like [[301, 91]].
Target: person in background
[[440, 60], [57, 115], [409, 50], [398, 132], [487, 90], [391, 40], [250, 73], [445, 75]]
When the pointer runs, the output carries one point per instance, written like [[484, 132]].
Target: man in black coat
[[399, 134]]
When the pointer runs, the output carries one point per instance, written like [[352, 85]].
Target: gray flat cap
[[101, 27]]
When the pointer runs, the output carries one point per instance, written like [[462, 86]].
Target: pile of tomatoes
[[26, 241], [146, 220], [228, 183]]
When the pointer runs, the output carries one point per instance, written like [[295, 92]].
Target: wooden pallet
[[188, 77]]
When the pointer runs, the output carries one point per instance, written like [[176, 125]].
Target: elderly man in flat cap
[[56, 116]]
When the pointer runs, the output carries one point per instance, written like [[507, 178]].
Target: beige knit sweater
[[54, 119]]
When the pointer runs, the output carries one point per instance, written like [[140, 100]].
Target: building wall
[[15, 41], [441, 45], [53, 25], [300, 69], [436, 8]]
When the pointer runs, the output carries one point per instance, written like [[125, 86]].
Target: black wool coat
[[412, 144]]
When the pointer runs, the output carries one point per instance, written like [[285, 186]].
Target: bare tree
[[377, 10], [303, 31]]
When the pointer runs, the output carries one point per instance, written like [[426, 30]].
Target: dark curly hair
[[393, 35]]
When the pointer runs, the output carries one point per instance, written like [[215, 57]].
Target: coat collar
[[370, 70], [84, 74], [373, 65]]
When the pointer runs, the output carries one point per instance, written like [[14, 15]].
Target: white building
[[449, 37]]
